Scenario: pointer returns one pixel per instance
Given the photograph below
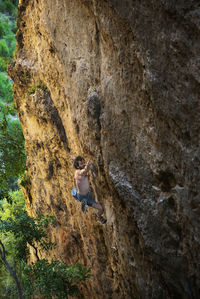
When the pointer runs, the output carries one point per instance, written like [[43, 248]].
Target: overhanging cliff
[[117, 82]]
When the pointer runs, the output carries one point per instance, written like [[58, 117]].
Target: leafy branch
[[53, 279], [10, 269]]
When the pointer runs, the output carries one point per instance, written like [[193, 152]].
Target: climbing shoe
[[102, 220]]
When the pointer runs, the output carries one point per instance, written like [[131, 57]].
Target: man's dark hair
[[77, 159]]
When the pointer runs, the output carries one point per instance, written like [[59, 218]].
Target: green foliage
[[4, 26], [24, 180], [5, 88], [9, 6], [3, 64], [12, 154], [7, 38], [33, 88], [7, 285], [53, 280], [24, 229], [8, 215], [16, 230], [11, 43], [12, 207], [7, 110], [4, 51]]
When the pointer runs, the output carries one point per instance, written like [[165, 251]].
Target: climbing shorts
[[87, 198]]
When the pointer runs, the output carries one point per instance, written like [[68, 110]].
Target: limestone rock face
[[117, 82]]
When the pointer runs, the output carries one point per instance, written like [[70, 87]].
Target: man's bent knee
[[97, 206]]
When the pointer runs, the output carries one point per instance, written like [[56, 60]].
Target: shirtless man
[[81, 178]]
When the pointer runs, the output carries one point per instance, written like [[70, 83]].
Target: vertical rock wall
[[117, 82]]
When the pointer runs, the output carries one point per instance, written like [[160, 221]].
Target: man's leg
[[99, 207]]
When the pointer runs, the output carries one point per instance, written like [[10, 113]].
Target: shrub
[[11, 137], [11, 43], [33, 88], [9, 6], [12, 162], [3, 65], [5, 88], [24, 180], [53, 280], [3, 30], [4, 50]]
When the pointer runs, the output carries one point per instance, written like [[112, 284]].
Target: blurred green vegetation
[[9, 7], [7, 284], [12, 154], [18, 233]]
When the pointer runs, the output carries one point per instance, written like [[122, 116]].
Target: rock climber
[[82, 184]]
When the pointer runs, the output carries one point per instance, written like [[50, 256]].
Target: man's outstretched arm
[[85, 170]]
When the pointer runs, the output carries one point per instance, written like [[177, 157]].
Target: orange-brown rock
[[117, 82]]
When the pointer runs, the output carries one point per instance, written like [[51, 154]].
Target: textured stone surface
[[118, 82]]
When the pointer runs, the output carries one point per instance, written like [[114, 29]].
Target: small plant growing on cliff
[[33, 88], [24, 180], [92, 89]]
